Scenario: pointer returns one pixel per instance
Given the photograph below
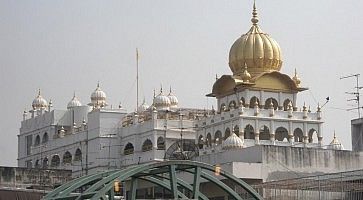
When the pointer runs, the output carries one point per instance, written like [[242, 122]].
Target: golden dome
[[255, 49]]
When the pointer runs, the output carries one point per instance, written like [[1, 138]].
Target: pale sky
[[66, 46]]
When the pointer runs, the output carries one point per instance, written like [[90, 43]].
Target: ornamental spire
[[254, 19]]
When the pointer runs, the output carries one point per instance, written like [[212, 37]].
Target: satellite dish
[[182, 150]]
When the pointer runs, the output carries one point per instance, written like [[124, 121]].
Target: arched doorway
[[264, 133], [249, 132]]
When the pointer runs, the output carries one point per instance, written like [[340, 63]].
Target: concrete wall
[[17, 177], [357, 134], [292, 162]]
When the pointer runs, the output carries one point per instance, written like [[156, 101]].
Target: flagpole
[[137, 78]]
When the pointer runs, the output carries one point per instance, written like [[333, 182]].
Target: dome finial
[[74, 94], [98, 84], [39, 92], [161, 88], [170, 90], [254, 19], [154, 93]]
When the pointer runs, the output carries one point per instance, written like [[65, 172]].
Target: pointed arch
[[227, 133], [281, 134], [253, 100], [78, 155], [37, 141], [232, 105], [298, 135], [67, 157], [160, 143], [264, 133], [147, 145], [218, 137], [274, 102], [312, 134], [209, 140], [45, 138], [249, 132], [286, 104], [129, 149], [55, 161], [201, 142]]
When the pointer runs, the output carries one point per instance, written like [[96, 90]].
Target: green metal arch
[[100, 186]]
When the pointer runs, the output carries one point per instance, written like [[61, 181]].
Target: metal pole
[[137, 78]]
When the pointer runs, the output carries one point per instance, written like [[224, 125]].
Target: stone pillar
[[272, 137], [257, 137]]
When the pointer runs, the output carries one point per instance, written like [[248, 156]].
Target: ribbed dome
[[335, 144], [161, 101], [98, 98], [74, 102], [255, 50], [143, 107], [233, 142], [39, 102], [173, 100]]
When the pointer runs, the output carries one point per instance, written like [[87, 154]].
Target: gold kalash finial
[[254, 19]]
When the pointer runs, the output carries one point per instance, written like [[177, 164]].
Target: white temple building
[[257, 131]]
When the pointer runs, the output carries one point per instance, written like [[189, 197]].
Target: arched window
[[55, 162], [209, 140], [78, 155], [281, 134], [161, 143], [45, 138], [274, 102], [37, 141], [218, 137], [236, 130], [223, 107], [253, 101], [312, 134], [45, 163], [200, 142], [67, 158], [232, 105], [227, 133], [243, 101], [298, 135], [37, 164], [129, 149], [264, 133], [147, 146], [286, 104], [249, 132]]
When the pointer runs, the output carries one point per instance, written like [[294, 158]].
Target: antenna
[[357, 94], [137, 78]]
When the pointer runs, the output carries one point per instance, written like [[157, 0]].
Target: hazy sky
[[66, 46]]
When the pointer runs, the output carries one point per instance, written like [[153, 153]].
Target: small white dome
[[161, 102], [335, 144], [98, 98], [173, 100], [39, 102], [143, 107], [233, 142], [74, 102]]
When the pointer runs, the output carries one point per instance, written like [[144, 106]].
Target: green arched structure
[[164, 174]]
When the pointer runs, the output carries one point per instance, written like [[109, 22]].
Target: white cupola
[[39, 103], [98, 98], [74, 102], [233, 142], [173, 100], [143, 107], [161, 101], [335, 144]]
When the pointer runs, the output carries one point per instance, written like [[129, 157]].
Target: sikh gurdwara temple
[[256, 131]]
